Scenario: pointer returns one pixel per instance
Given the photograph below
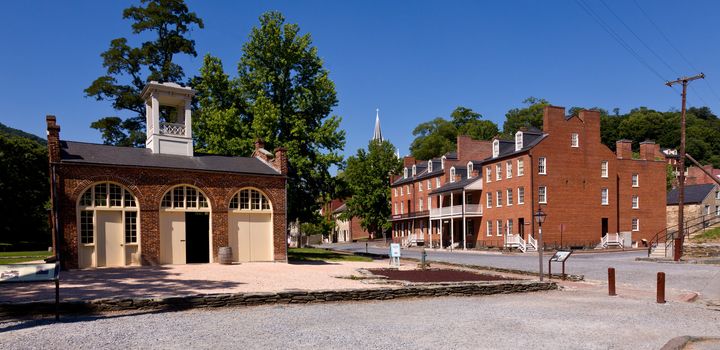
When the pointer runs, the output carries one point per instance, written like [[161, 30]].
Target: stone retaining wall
[[285, 297], [701, 250]]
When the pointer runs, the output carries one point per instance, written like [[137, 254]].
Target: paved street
[[569, 319], [703, 279]]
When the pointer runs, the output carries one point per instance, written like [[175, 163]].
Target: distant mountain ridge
[[4, 129]]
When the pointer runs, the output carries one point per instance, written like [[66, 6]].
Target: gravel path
[[571, 319]]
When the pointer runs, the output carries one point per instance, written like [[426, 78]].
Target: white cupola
[[169, 118]]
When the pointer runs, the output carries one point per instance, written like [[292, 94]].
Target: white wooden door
[[172, 238], [110, 245], [261, 244]]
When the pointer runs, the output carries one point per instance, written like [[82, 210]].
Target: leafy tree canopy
[[368, 177], [129, 68], [439, 136], [283, 95], [529, 116]]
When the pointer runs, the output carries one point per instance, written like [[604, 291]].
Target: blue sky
[[415, 60]]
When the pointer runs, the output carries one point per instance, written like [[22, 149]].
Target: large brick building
[[163, 204], [586, 190]]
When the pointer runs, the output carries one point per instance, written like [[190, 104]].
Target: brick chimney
[[53, 138], [623, 149], [649, 150], [552, 116], [280, 162], [260, 151], [408, 161]]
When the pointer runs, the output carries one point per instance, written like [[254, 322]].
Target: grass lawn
[[315, 254], [708, 236], [19, 257]]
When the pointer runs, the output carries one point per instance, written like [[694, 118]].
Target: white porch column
[[464, 229], [440, 223], [452, 222]]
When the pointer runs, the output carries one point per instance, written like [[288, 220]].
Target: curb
[[177, 303], [682, 342]]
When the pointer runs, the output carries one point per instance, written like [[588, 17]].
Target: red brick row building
[[486, 192], [164, 204]]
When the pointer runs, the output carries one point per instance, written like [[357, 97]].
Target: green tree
[[283, 95], [530, 116], [130, 68], [368, 176], [439, 136], [24, 192]]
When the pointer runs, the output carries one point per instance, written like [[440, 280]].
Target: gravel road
[[570, 319], [702, 279]]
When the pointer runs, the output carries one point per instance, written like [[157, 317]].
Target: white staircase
[[610, 240], [516, 241], [412, 240]]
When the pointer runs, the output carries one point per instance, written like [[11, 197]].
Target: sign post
[[560, 256], [395, 255], [29, 273]]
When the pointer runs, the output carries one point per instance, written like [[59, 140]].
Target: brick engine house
[[163, 204], [489, 190]]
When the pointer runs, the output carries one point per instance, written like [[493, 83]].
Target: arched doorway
[[185, 235], [108, 226], [250, 226]]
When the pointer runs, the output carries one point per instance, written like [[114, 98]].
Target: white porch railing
[[455, 210], [412, 240], [172, 129], [532, 243], [515, 241], [611, 239]]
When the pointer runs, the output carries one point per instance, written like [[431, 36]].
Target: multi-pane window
[[116, 195], [402, 208], [717, 210], [437, 182], [488, 174], [496, 148], [420, 186], [636, 224], [395, 191], [635, 202], [604, 196], [498, 198], [407, 189], [635, 180], [574, 140], [508, 169], [509, 196], [498, 172], [518, 140], [509, 226], [488, 203], [717, 194], [250, 199], [604, 168], [706, 210], [488, 231], [420, 205], [542, 194], [469, 169], [429, 203], [542, 166], [499, 231], [521, 167], [395, 209], [452, 174], [429, 184], [131, 227], [86, 227], [184, 197], [521, 195], [107, 194]]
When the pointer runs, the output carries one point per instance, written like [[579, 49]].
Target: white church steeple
[[377, 135]]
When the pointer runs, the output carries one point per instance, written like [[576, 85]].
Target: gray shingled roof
[[507, 148], [457, 185], [90, 153], [693, 194]]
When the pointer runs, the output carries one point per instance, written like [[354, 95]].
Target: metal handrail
[[668, 233]]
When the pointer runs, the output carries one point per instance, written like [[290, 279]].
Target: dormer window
[[429, 166], [414, 170], [405, 173], [452, 174], [496, 148], [469, 169], [442, 162], [518, 140]]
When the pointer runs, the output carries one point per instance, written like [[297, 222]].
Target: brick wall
[[149, 185]]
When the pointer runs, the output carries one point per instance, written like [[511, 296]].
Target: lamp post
[[540, 218]]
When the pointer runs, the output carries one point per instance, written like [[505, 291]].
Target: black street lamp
[[540, 218]]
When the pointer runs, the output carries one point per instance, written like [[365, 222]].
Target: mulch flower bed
[[436, 275]]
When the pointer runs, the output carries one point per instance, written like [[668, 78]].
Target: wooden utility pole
[[681, 165]]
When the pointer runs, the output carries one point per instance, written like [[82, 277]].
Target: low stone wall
[[701, 250], [285, 297]]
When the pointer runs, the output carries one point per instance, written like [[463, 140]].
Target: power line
[[620, 40]]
